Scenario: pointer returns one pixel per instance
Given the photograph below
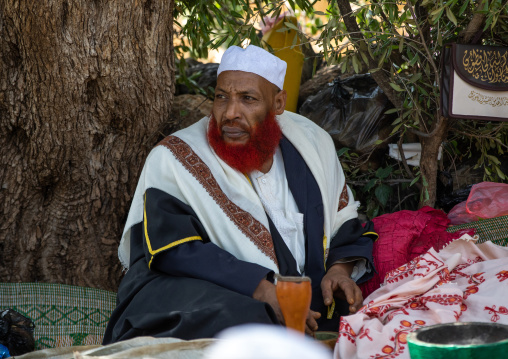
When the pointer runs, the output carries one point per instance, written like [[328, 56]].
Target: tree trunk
[[429, 162], [84, 87]]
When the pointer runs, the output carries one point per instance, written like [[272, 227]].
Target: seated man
[[223, 205]]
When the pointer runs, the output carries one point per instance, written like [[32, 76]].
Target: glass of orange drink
[[294, 295]]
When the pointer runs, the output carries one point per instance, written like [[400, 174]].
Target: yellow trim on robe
[[324, 251], [331, 307], [172, 244], [374, 233], [248, 179]]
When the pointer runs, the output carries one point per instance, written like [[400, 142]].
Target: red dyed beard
[[250, 156]]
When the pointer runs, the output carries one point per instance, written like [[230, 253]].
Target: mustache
[[233, 123]]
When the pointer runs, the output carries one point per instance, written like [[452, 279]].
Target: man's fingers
[[348, 287], [358, 302], [309, 331], [310, 324], [327, 290], [315, 315]]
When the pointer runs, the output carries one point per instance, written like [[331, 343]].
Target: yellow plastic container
[[285, 48]]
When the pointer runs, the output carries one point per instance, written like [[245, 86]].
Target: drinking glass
[[294, 295]]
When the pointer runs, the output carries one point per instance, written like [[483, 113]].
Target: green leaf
[[423, 91], [413, 61], [500, 173], [369, 185], [220, 42], [342, 151], [355, 64], [439, 39], [414, 181], [383, 193], [390, 111], [236, 14], [494, 159], [436, 14], [401, 44], [463, 7], [424, 181], [381, 59], [365, 58], [291, 25], [397, 120], [426, 194], [450, 16], [382, 173], [396, 128], [415, 77], [396, 87]]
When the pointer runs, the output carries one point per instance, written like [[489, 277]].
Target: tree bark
[[84, 87], [429, 162]]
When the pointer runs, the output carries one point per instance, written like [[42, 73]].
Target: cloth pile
[[403, 236], [464, 282]]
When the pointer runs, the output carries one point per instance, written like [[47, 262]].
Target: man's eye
[[249, 98], [220, 96]]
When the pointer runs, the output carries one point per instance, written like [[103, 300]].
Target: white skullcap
[[256, 60], [257, 341]]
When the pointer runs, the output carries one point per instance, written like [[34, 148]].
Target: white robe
[[169, 171]]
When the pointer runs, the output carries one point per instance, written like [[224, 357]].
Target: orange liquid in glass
[[294, 299]]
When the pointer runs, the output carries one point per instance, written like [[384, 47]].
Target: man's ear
[[280, 102]]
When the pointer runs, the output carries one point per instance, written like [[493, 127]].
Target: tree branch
[[352, 27], [474, 26]]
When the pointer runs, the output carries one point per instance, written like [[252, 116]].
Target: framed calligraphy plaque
[[474, 82]]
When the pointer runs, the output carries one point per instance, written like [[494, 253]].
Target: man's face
[[242, 101]]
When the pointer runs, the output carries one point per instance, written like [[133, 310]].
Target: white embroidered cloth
[[464, 282], [184, 168]]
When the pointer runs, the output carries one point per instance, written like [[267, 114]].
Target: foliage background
[[400, 44]]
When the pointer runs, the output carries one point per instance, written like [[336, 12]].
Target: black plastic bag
[[16, 332], [351, 111]]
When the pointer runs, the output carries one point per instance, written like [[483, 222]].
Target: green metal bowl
[[459, 340]]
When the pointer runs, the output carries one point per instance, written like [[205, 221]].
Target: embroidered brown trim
[[252, 228], [344, 198]]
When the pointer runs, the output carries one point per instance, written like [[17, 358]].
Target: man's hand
[[337, 282], [311, 324], [265, 292]]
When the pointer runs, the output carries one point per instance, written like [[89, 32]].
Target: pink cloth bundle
[[463, 282]]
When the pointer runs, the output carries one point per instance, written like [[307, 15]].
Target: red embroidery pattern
[[253, 229], [364, 334], [502, 310], [414, 267], [399, 339], [403, 271], [424, 269], [346, 331], [390, 316], [375, 312], [502, 276], [444, 277], [475, 280], [344, 198]]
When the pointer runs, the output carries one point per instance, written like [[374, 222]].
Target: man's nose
[[232, 110]]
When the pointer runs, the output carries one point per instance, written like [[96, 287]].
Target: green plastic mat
[[493, 229], [64, 315]]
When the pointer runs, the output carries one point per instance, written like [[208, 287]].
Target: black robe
[[196, 289]]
